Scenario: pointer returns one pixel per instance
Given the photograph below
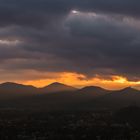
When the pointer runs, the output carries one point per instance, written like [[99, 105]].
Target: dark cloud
[[103, 37], [40, 12]]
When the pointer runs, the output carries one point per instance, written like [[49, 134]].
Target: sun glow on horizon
[[41, 79], [80, 80]]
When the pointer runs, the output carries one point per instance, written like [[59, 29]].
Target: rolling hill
[[93, 91], [60, 96], [118, 99], [13, 90], [57, 87]]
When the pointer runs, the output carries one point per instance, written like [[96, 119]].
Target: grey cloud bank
[[103, 37]]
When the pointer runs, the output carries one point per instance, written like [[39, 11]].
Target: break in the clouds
[[90, 37]]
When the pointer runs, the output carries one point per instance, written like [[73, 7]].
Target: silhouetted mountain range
[[120, 98], [60, 96]]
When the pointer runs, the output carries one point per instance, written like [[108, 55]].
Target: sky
[[75, 42]]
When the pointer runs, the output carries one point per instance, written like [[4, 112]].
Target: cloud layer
[[89, 37]]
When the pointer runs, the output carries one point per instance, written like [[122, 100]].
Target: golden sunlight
[[80, 80]]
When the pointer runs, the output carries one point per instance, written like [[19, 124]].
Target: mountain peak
[[15, 89], [57, 84], [93, 91], [128, 89], [93, 88], [10, 84], [58, 87]]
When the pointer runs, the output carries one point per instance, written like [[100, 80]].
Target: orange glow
[[80, 80]]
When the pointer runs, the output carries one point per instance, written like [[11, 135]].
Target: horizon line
[[68, 85]]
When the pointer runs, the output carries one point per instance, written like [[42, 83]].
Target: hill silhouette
[[63, 96], [66, 97], [120, 98], [13, 90], [57, 87], [93, 91]]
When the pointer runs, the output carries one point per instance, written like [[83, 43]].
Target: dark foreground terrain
[[58, 112], [84, 125]]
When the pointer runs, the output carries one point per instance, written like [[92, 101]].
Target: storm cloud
[[90, 37]]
